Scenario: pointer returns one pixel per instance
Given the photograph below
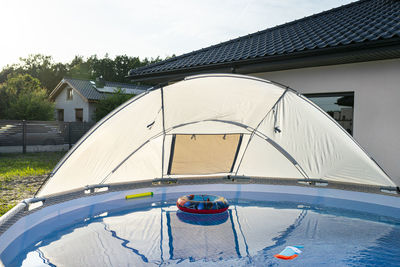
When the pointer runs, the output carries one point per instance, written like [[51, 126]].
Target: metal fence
[[33, 136]]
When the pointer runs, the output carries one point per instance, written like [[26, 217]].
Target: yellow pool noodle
[[147, 194]]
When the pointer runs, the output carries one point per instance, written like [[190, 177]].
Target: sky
[[145, 28]]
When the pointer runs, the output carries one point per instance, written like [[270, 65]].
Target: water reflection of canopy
[[215, 124], [156, 237]]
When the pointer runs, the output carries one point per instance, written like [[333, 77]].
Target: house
[[346, 60], [75, 99]]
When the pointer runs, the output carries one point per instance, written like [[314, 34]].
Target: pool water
[[250, 233]]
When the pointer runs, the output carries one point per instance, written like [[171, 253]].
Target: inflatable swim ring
[[202, 204]]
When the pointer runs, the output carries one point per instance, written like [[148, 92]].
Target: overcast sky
[[146, 28]]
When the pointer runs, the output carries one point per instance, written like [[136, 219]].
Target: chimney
[[100, 82]]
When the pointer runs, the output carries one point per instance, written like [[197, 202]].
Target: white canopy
[[215, 124]]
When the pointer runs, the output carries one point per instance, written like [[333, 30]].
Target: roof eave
[[55, 92], [352, 53], [93, 100]]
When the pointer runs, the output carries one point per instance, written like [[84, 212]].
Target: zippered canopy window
[[203, 153]]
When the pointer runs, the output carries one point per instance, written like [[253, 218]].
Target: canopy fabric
[[283, 135]]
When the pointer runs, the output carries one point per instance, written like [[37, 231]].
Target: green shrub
[[111, 102]]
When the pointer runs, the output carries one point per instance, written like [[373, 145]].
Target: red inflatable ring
[[202, 204]]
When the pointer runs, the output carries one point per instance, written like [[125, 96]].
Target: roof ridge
[[251, 35], [79, 79], [90, 80], [132, 84]]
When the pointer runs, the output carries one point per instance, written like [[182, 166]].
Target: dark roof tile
[[358, 22], [87, 89]]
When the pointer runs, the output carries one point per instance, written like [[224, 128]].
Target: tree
[[79, 68], [111, 102], [8, 70], [43, 68], [50, 73], [23, 98], [38, 66], [114, 70]]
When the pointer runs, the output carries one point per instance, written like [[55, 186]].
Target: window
[[60, 114], [339, 105], [69, 93], [79, 114], [203, 153]]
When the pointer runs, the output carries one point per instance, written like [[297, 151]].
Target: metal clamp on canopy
[[390, 189], [314, 182], [90, 189], [164, 181], [33, 203], [236, 178]]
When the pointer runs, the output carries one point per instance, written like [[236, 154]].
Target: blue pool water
[[250, 233]]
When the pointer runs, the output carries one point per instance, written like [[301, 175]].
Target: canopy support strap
[[163, 132]]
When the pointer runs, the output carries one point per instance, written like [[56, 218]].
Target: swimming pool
[[335, 228]]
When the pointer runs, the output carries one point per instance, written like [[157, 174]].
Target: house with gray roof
[[346, 60], [75, 99]]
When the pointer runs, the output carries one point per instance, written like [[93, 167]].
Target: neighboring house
[[75, 99], [346, 60]]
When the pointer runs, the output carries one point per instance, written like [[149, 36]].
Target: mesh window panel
[[203, 153]]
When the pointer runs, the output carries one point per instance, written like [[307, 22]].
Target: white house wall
[[376, 87], [69, 106], [92, 110]]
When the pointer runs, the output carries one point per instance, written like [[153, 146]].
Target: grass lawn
[[22, 174]]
